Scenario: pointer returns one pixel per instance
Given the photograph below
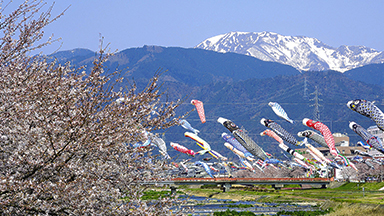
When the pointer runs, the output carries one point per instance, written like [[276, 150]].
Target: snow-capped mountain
[[303, 53]]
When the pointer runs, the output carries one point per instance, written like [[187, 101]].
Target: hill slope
[[239, 87], [245, 102], [191, 66], [371, 74]]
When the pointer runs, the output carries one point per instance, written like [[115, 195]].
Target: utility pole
[[316, 99]]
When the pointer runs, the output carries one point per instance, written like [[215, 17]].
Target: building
[[375, 131], [341, 139], [342, 144], [344, 150]]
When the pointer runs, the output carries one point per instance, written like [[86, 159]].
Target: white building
[[341, 139], [375, 131]]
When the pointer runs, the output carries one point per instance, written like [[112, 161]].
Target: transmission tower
[[305, 95], [316, 99]]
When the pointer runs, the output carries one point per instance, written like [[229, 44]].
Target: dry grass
[[349, 209]]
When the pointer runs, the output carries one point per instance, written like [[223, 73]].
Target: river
[[206, 206]]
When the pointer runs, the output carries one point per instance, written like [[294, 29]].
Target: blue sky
[[134, 23]]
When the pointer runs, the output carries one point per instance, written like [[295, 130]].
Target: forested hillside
[[245, 102], [239, 88]]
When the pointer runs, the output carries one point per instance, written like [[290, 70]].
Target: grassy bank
[[348, 199]]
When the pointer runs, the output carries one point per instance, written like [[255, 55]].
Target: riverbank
[[348, 199]]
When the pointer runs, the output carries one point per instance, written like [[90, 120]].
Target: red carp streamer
[[183, 149], [324, 130], [200, 109]]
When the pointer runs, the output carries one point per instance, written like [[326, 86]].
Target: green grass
[[295, 213], [153, 195], [348, 193], [304, 213], [292, 186], [371, 186], [209, 186]]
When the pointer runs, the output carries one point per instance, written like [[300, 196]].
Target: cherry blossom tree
[[65, 144], [349, 174]]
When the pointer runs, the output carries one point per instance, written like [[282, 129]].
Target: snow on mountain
[[303, 53]]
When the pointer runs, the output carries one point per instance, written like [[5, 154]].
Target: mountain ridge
[[303, 53], [184, 65]]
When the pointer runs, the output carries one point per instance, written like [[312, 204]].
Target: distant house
[[341, 139], [344, 150], [342, 144], [375, 131]]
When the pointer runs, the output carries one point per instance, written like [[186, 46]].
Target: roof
[[372, 127]]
